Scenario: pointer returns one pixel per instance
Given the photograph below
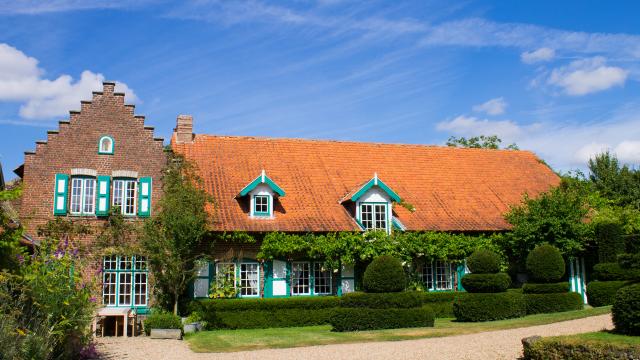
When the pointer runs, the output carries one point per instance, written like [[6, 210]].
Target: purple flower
[[92, 299], [20, 259]]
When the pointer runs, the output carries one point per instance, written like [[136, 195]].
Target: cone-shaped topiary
[[626, 310], [384, 274], [483, 261], [545, 264]]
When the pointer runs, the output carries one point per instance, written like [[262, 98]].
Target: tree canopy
[[479, 142]]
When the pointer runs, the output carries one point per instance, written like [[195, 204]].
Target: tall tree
[[614, 181], [10, 231], [173, 239], [479, 142]]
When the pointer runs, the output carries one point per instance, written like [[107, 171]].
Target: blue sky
[[558, 78]]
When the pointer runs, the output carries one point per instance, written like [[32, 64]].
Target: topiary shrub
[[483, 261], [551, 288], [603, 293], [486, 283], [161, 320], [488, 307], [609, 239], [626, 310], [441, 302], [384, 274], [578, 348], [613, 271], [408, 299], [550, 303], [353, 319], [545, 264]]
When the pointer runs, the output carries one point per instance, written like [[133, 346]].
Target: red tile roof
[[450, 188]]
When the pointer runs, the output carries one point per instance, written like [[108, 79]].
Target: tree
[[617, 183], [479, 142], [173, 238], [10, 231]]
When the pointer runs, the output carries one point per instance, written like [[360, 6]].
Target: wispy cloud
[[495, 106], [539, 55], [587, 76], [31, 7]]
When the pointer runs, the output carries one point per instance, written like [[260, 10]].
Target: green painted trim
[[262, 213], [262, 179], [82, 197], [144, 180], [397, 224], [133, 271], [113, 145], [376, 182], [60, 193], [101, 179], [460, 269]]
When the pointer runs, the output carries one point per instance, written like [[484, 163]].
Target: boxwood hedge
[[258, 319], [545, 264], [626, 310], [486, 283], [536, 348], [550, 303], [488, 307], [384, 274], [483, 261], [602, 293], [613, 271], [401, 300], [161, 321], [353, 319], [533, 288]]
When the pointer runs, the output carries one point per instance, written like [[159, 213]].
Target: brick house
[[102, 158], [262, 185]]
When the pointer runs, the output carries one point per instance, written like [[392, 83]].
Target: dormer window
[[373, 204], [373, 216], [261, 193], [105, 145], [261, 205]]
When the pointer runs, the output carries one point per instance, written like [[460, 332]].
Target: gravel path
[[502, 344]]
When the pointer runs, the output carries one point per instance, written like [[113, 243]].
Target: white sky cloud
[[29, 7], [21, 80], [472, 126], [495, 106], [587, 76], [542, 54]]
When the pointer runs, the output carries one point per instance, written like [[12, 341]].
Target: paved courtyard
[[502, 344]]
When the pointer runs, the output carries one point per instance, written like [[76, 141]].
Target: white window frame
[[315, 279], [82, 196], [439, 273], [374, 212], [121, 195], [130, 268], [101, 141], [240, 280], [294, 285]]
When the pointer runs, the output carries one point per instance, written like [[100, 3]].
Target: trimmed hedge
[[550, 303], [161, 321], [602, 293], [483, 261], [545, 264], [353, 319], [486, 283], [262, 319], [536, 348], [441, 302], [401, 300], [626, 310], [384, 274], [551, 288], [613, 271], [488, 307], [306, 303]]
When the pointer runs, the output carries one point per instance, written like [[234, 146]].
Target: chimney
[[184, 129]]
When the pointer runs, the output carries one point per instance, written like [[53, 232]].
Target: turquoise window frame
[[373, 204], [84, 178], [209, 277], [141, 309], [262, 213], [432, 265], [113, 145], [239, 272], [312, 279]]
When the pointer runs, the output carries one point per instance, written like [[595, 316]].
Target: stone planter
[[190, 328], [166, 334]]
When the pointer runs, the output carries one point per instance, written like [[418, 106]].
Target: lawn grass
[[254, 339]]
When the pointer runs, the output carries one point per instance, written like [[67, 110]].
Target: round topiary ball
[[384, 274], [545, 264], [483, 261], [626, 310]]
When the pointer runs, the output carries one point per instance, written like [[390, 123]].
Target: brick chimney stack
[[184, 129]]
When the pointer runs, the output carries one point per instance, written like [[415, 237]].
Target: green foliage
[[489, 307], [357, 319], [117, 235], [225, 285], [613, 271], [558, 348], [626, 310], [174, 238], [441, 302], [384, 274], [555, 217], [267, 304], [479, 142], [630, 263], [550, 303], [382, 300], [620, 184], [486, 283], [161, 320], [550, 288], [10, 232], [484, 261], [603, 293], [609, 239], [545, 264]]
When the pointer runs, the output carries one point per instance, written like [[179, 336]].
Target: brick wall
[[75, 145]]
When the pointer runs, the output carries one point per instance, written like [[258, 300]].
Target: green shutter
[[144, 203], [60, 197], [102, 205], [268, 278]]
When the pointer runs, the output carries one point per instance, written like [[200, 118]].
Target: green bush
[[261, 319], [555, 348], [602, 293], [161, 320], [307, 303], [533, 288], [486, 283], [382, 300], [353, 319], [483, 261], [488, 307], [613, 271], [384, 274], [626, 310], [441, 302], [609, 239], [550, 303], [545, 264]]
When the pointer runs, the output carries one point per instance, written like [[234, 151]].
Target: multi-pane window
[[124, 195], [83, 196], [437, 275], [124, 281], [373, 216], [427, 275], [261, 205], [322, 279], [301, 282], [249, 279], [226, 272]]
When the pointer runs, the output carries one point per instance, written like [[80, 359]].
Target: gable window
[[261, 205], [373, 216], [83, 196], [105, 145], [124, 195], [124, 281]]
